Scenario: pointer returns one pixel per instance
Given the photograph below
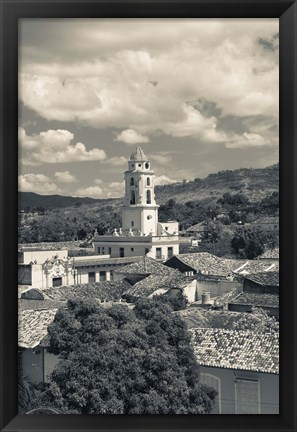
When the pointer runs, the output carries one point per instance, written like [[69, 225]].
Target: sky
[[198, 95]]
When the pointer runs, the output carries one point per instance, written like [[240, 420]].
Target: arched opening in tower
[[148, 197], [132, 198]]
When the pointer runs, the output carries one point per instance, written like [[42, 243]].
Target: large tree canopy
[[122, 361]]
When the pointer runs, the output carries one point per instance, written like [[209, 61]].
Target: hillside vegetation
[[223, 201]]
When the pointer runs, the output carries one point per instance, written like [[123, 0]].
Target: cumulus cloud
[[130, 136], [65, 177], [102, 190], [54, 146], [233, 63], [248, 140], [163, 180], [38, 183]]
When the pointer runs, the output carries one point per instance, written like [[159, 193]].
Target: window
[[146, 251], [148, 181], [111, 274], [147, 165], [109, 251], [132, 249], [92, 277], [148, 197], [247, 396], [103, 251], [149, 217], [166, 228], [214, 382], [98, 250], [132, 223], [139, 165], [159, 253], [102, 276], [170, 252], [57, 281], [132, 181], [133, 166], [132, 199], [122, 252]]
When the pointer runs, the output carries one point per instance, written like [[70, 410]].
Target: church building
[[141, 232]]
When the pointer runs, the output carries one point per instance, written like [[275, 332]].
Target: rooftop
[[257, 300], [49, 246], [158, 284], [201, 226], [33, 326], [139, 155], [206, 263], [270, 254], [249, 267], [103, 261], [268, 278], [145, 266], [104, 291], [236, 349]]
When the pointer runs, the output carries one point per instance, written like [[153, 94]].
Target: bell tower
[[140, 211]]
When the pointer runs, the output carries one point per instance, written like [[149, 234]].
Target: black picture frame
[[11, 12]]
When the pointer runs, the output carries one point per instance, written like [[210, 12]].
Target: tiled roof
[[138, 155], [25, 304], [270, 253], [104, 261], [33, 326], [206, 263], [236, 349], [145, 266], [270, 278], [151, 284], [104, 291], [248, 267], [50, 245], [267, 220], [200, 227], [255, 299]]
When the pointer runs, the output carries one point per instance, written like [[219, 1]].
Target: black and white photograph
[[148, 216]]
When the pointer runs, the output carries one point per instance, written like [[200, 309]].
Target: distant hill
[[32, 200], [255, 183]]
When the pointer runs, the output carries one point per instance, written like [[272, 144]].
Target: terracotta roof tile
[[146, 266], [104, 291], [270, 253], [270, 278], [206, 263], [161, 283], [236, 349], [33, 326], [255, 299]]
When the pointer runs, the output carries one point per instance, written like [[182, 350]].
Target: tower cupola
[[140, 211]]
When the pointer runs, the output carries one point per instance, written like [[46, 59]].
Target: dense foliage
[[121, 361], [250, 243]]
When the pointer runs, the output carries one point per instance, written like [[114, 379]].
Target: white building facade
[[141, 232]]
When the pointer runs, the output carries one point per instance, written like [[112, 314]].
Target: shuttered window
[[247, 394]]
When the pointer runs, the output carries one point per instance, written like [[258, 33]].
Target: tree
[[250, 243], [177, 302], [122, 361]]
